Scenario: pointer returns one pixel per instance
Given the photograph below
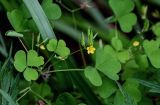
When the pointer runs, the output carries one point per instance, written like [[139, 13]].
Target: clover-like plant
[[59, 47], [28, 63], [122, 10]]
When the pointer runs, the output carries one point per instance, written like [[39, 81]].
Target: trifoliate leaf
[[52, 10], [121, 7], [156, 29], [122, 10], [59, 47], [33, 59], [107, 88], [116, 43], [107, 63], [127, 22], [92, 74], [20, 61], [22, 64], [30, 74]]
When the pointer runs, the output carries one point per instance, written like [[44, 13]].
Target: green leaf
[[16, 19], [146, 25], [131, 87], [142, 61], [107, 88], [116, 43], [52, 10], [110, 50], [43, 89], [121, 7], [52, 45], [59, 48], [33, 59], [20, 61], [145, 101], [62, 50], [30, 74], [65, 99], [156, 29], [8, 98], [107, 63], [150, 46], [13, 34], [32, 26], [154, 58], [92, 74], [127, 22], [123, 56], [81, 104], [119, 99], [40, 19]]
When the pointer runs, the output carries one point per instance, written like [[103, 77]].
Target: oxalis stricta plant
[[103, 68]]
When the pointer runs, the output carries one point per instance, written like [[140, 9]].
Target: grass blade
[[7, 97], [40, 18], [154, 87]]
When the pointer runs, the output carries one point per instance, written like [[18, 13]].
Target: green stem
[[40, 97], [23, 95], [62, 70]]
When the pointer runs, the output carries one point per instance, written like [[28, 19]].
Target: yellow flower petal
[[136, 43], [90, 50]]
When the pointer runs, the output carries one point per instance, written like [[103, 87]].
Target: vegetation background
[[79, 52]]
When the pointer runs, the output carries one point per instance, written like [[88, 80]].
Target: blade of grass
[[40, 19], [7, 97], [3, 50], [128, 99], [149, 84]]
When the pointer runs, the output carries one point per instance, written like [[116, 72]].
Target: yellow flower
[[136, 43], [90, 49]]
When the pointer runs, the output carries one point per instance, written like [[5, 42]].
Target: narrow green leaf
[[13, 34], [149, 84], [8, 98], [40, 18]]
